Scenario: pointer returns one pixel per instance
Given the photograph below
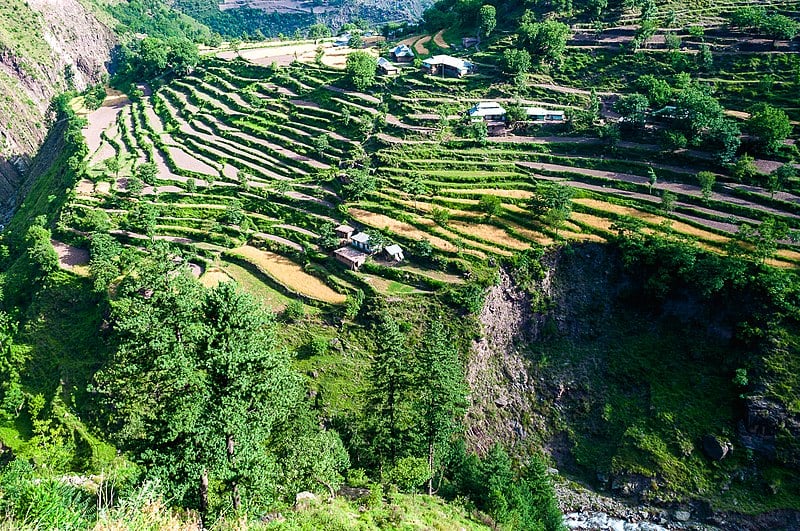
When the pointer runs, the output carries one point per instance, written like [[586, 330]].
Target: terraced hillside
[[251, 169]]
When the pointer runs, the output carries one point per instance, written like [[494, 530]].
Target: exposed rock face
[[65, 47], [503, 393], [715, 448]]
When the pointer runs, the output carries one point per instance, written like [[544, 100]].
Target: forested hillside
[[277, 284]]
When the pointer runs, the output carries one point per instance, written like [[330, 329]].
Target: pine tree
[[390, 382], [443, 391]]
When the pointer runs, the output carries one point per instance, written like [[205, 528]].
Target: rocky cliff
[[46, 47]]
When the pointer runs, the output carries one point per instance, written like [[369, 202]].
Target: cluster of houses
[[356, 247], [496, 117], [438, 65]]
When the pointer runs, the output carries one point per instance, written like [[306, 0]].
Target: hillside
[[554, 273], [48, 46]]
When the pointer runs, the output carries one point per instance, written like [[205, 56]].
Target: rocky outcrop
[[56, 45]]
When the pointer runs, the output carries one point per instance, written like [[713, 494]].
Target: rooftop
[[486, 108], [448, 60], [401, 50], [393, 249], [352, 254], [361, 237]]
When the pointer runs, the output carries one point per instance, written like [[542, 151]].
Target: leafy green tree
[[142, 218], [360, 183], [415, 187], [360, 68], [318, 31], [725, 138], [12, 360], [668, 201], [779, 26], [39, 252], [516, 64], [745, 168], [658, 91], [490, 204], [552, 202], [534, 500], [147, 172], [113, 165], [652, 178], [478, 131], [104, 265], [706, 179], [544, 40], [443, 392], [182, 56], [488, 19], [440, 215], [778, 178], [633, 109], [761, 242], [696, 111], [749, 17], [769, 125]]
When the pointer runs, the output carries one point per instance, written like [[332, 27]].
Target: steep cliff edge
[[46, 47], [628, 393]]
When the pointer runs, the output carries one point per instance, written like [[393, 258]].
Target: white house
[[447, 65], [394, 252], [361, 242], [491, 111], [540, 115], [401, 54], [386, 68]]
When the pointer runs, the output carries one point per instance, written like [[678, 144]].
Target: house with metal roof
[[491, 111], [401, 54], [447, 66]]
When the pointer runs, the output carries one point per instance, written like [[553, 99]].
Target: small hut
[[394, 253], [344, 232], [350, 257]]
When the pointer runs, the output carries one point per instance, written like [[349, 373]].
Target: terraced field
[[251, 163]]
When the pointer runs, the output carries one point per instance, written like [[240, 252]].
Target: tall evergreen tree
[[443, 392], [390, 380]]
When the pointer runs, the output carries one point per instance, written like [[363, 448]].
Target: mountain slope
[[46, 47]]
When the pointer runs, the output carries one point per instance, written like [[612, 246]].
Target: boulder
[[682, 516], [304, 499], [716, 448]]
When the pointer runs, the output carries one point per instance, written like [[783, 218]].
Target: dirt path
[[420, 47], [69, 256], [570, 90], [438, 39], [409, 41], [277, 239]]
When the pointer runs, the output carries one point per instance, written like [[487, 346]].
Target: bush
[[294, 311]]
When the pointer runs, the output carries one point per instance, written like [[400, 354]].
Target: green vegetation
[[668, 314]]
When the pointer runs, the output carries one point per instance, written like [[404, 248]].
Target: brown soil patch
[[513, 194], [408, 41], [489, 233], [213, 277], [289, 274], [188, 162], [419, 46], [438, 39], [677, 226], [70, 257]]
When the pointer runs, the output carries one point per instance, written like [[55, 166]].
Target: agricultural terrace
[[246, 169]]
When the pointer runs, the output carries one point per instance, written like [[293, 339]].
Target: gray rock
[[682, 516], [716, 448], [305, 499]]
